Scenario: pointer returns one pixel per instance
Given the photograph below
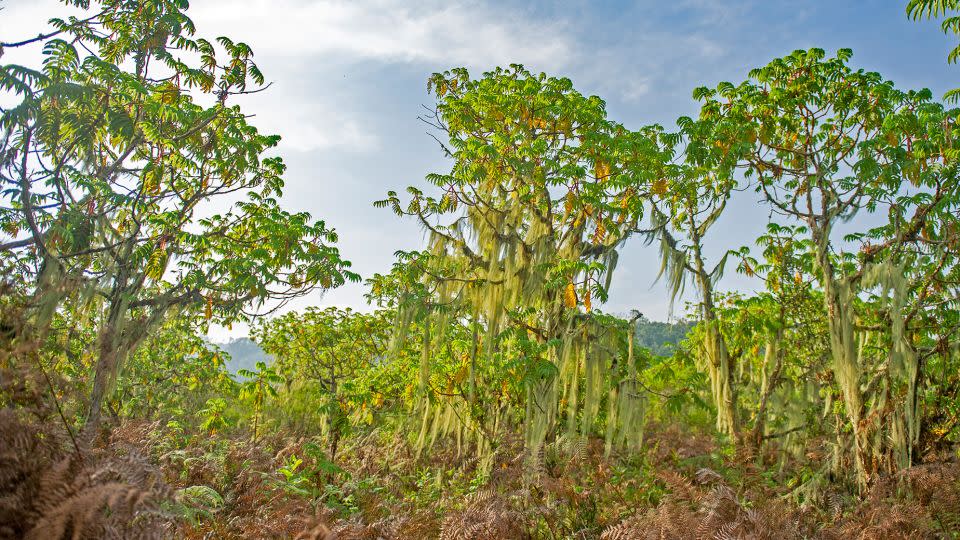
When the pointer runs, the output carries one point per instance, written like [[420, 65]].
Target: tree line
[[128, 131]]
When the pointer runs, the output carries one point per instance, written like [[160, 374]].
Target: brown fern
[[46, 493], [486, 515]]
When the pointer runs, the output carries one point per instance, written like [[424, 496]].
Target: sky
[[349, 79]]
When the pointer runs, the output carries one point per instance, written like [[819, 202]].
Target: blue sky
[[349, 80]]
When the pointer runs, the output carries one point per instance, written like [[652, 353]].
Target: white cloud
[[347, 135], [634, 89], [453, 33], [298, 43], [320, 124]]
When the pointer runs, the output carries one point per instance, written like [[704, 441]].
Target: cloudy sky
[[349, 80]]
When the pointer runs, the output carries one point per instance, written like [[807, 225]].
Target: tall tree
[[132, 178], [829, 144], [687, 202], [524, 229]]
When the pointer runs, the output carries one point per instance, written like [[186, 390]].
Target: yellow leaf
[[570, 296], [913, 173], [660, 186], [11, 228], [586, 300], [151, 180], [460, 375], [600, 233], [601, 170]]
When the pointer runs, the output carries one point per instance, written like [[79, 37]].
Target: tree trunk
[[838, 300], [775, 354], [719, 364], [104, 374], [118, 338], [721, 379], [333, 418]]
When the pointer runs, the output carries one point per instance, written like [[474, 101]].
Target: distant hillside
[[244, 354], [661, 338]]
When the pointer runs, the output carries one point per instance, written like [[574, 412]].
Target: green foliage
[[175, 370], [133, 142], [950, 24], [310, 479], [488, 387], [195, 503], [660, 338], [258, 386], [213, 415]]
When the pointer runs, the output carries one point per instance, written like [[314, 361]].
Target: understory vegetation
[[483, 392]]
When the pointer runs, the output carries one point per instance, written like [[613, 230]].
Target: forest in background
[[484, 393]]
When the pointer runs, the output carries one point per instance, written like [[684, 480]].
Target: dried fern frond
[[707, 476], [52, 490], [96, 512], [486, 515], [681, 489], [317, 532]]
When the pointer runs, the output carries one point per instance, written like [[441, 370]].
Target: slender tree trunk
[[774, 354], [721, 378], [719, 364], [102, 380], [838, 301], [117, 340], [256, 419], [333, 419]]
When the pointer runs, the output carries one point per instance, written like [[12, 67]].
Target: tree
[[930, 9], [524, 229], [826, 145], [785, 324], [258, 387], [661, 338], [134, 138], [330, 348], [686, 204]]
